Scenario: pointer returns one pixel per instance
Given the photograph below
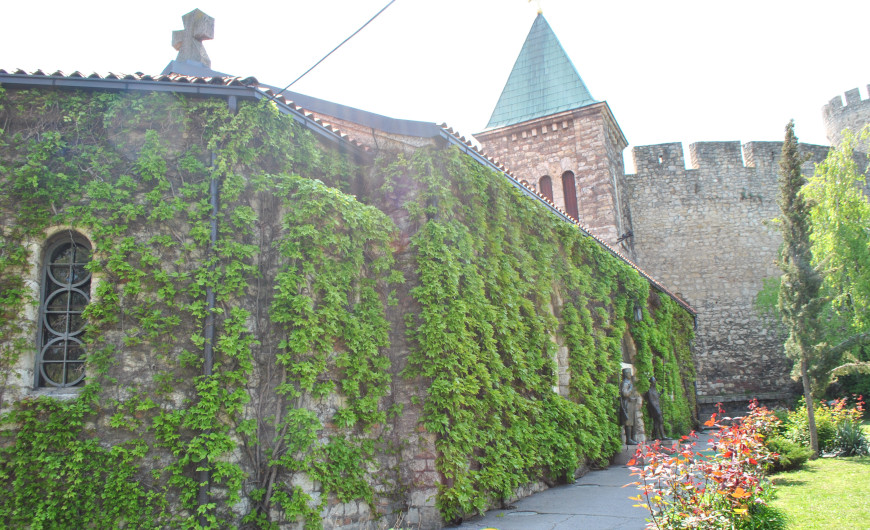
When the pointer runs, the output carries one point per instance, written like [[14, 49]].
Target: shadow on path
[[596, 501]]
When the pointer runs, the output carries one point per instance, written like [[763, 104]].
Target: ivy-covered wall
[[395, 335]]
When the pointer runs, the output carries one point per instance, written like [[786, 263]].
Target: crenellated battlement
[[853, 97], [763, 155], [722, 155], [853, 115], [659, 157], [716, 157], [703, 228]]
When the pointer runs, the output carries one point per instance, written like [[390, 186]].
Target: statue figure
[[627, 406], [655, 410]]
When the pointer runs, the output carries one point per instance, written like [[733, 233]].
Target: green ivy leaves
[[303, 274], [499, 281], [134, 172]]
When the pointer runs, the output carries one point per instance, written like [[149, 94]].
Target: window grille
[[66, 288]]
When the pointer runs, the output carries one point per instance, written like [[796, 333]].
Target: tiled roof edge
[[217, 86]]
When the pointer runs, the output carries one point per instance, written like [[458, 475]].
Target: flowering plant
[[829, 418], [721, 487]]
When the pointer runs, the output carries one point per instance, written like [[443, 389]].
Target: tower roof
[[542, 82]]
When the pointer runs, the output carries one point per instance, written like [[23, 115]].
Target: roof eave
[[204, 89], [565, 113]]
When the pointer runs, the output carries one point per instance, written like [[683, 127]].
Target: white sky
[[671, 71]]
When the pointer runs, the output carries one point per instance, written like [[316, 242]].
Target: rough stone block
[[423, 497]]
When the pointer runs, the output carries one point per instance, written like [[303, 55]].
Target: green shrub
[[827, 420], [797, 429], [791, 455], [851, 440], [782, 416]]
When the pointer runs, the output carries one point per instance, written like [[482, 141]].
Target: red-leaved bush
[[720, 487]]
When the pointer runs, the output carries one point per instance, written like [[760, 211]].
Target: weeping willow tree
[[839, 215], [824, 291]]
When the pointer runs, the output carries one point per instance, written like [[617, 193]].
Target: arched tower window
[[569, 187], [66, 291], [546, 187]]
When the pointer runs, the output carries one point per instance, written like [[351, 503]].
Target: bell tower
[[549, 131]]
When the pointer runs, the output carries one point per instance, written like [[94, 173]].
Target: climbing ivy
[[52, 463], [660, 337], [298, 406], [301, 273], [499, 280]]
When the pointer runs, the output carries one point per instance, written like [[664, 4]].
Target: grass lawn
[[827, 493]]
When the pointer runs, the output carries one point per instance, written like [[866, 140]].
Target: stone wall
[[372, 138], [705, 232], [854, 115], [150, 336]]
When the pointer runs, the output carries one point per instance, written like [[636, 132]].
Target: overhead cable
[[333, 50]]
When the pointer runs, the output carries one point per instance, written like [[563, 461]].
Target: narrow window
[[66, 291], [546, 187], [569, 187]]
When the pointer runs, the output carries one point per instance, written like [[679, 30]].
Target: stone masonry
[[854, 115], [585, 141], [706, 233]]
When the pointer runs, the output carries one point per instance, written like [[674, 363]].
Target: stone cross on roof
[[197, 27]]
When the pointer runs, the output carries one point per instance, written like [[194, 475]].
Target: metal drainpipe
[[203, 475]]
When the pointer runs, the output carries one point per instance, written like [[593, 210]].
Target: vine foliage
[[507, 295], [300, 271], [518, 323]]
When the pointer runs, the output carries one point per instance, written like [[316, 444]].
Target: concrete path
[[596, 501]]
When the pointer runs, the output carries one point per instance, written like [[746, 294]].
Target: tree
[[799, 302], [839, 213], [823, 294]]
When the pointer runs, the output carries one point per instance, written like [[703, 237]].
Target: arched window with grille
[[546, 187], [569, 187], [66, 291]]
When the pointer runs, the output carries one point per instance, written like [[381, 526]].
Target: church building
[[228, 305]]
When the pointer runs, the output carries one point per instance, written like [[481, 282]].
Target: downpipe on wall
[[203, 475]]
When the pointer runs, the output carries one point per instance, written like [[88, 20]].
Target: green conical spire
[[542, 82]]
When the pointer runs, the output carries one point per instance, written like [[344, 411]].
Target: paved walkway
[[596, 501]]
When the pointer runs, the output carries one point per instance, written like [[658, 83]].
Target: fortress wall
[[854, 115], [704, 232]]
